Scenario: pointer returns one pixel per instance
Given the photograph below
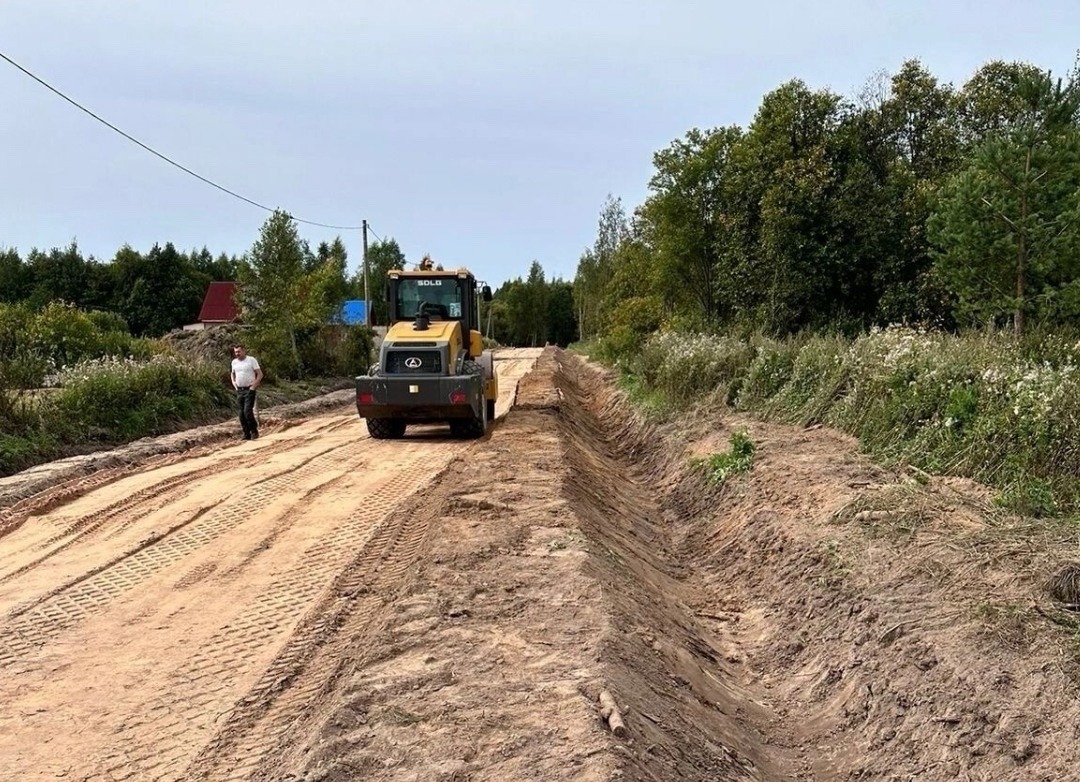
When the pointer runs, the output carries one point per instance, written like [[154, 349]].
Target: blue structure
[[354, 312]]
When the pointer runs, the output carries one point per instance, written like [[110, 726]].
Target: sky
[[487, 133]]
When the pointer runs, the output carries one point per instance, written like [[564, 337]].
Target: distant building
[[353, 313], [219, 306]]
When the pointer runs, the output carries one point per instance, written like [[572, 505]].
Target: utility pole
[[367, 298]]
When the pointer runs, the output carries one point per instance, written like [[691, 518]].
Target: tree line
[[152, 291], [914, 202], [532, 311], [163, 288]]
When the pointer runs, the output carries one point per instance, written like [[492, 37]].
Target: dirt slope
[[872, 624]]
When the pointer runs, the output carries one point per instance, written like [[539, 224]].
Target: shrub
[[34, 345], [718, 467], [357, 350], [768, 372], [123, 399], [689, 365], [819, 375]]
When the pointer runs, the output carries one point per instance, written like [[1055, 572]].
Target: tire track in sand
[[184, 711], [33, 625]]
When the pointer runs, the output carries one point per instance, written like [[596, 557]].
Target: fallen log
[[610, 712]]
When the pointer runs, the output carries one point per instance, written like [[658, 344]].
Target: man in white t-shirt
[[246, 377]]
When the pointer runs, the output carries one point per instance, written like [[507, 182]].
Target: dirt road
[[137, 612], [320, 607]]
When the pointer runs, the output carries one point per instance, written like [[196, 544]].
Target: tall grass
[[124, 399], [989, 407], [106, 401]]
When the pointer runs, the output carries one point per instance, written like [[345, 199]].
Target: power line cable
[[164, 157]]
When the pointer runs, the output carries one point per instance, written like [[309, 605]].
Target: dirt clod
[[1064, 586]]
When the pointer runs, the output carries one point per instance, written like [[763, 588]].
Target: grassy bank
[[106, 402], [73, 381], [980, 406]]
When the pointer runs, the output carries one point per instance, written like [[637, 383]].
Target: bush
[[34, 345], [357, 351], [335, 351], [685, 366], [629, 326], [718, 467], [122, 399], [770, 370], [274, 353], [818, 378]]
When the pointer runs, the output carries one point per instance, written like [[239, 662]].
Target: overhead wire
[[165, 157]]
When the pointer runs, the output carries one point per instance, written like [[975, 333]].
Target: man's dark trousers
[[245, 406]]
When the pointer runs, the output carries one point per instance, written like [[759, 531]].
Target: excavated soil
[[320, 606]]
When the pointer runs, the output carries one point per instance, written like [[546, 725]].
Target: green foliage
[[816, 382], [358, 351], [533, 311], [334, 351], [283, 292], [770, 371], [1030, 498], [60, 274], [34, 345], [915, 203], [629, 328], [720, 466], [687, 366], [106, 401], [653, 403], [596, 267], [155, 292], [978, 406], [122, 399], [1009, 223], [382, 257], [16, 279], [560, 321]]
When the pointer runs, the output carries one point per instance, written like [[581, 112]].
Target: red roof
[[218, 306]]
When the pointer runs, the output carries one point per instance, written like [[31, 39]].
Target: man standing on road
[[246, 376]]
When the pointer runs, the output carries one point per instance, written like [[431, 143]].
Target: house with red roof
[[219, 306]]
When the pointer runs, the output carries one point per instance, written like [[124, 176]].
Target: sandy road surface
[[319, 607], [137, 611]]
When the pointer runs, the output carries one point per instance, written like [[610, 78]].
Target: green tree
[[278, 296], [382, 257], [59, 275], [778, 273], [156, 292], [1008, 225], [222, 268], [687, 219], [991, 101], [562, 328], [594, 268], [16, 278], [332, 268], [534, 311]]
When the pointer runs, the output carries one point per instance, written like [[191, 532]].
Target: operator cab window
[[441, 297]]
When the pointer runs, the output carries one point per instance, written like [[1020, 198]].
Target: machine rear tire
[[386, 428], [472, 428]]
